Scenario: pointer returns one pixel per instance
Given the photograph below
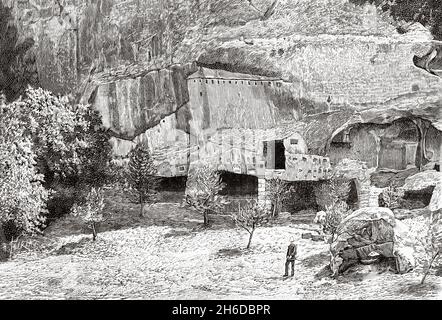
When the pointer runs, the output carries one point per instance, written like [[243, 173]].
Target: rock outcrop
[[422, 180], [334, 49], [130, 106], [369, 234]]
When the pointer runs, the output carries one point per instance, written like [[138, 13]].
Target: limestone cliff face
[[117, 55], [130, 106], [327, 45]]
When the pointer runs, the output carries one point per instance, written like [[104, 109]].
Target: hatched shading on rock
[[369, 234]]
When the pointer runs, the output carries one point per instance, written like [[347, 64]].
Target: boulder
[[306, 236], [422, 180], [318, 237], [369, 235], [436, 199], [402, 214], [284, 215]]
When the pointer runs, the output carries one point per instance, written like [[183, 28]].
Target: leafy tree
[[203, 187], [278, 191], [22, 195], [142, 175], [250, 217], [90, 211], [67, 138]]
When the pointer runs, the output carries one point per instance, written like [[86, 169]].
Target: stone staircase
[[368, 195]]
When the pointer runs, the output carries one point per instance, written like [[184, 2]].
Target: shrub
[[141, 175], [90, 212], [332, 191], [431, 241], [203, 187], [278, 191], [250, 217], [391, 197]]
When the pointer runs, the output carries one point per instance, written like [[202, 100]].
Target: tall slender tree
[[142, 175]]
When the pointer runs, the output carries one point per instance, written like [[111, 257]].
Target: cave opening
[[417, 199], [399, 146], [239, 189], [172, 189], [239, 185], [302, 198]]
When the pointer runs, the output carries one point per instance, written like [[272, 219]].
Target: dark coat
[[292, 251]]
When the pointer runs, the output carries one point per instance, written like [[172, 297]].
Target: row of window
[[269, 83]]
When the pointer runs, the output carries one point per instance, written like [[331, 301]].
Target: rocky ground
[[168, 255]]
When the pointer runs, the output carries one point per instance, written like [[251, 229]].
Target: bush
[[67, 140], [90, 212], [250, 217], [47, 141], [331, 192], [391, 197], [203, 187]]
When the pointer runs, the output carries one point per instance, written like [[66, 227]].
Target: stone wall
[[221, 99]]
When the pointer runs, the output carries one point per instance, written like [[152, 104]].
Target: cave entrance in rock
[[399, 145], [418, 199], [172, 189], [239, 189], [303, 198]]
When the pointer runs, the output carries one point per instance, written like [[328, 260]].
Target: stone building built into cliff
[[306, 95]]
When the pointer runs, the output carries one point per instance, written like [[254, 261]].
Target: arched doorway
[[399, 145]]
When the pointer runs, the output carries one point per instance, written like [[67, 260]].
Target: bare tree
[[250, 217], [203, 187], [334, 214], [91, 211], [432, 243], [278, 191]]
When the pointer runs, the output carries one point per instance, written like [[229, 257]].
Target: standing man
[[291, 256]]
